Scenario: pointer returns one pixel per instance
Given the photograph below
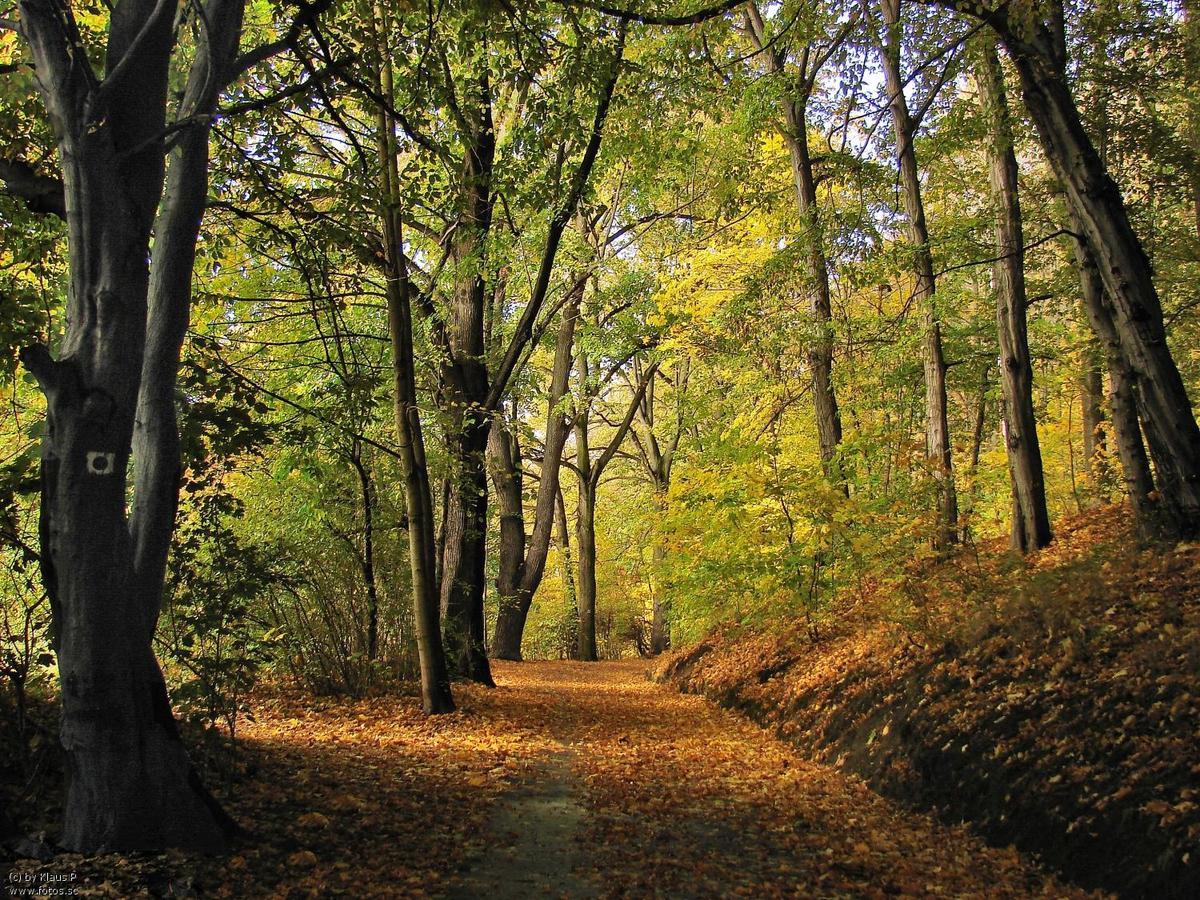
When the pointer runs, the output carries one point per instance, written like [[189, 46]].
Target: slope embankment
[[1053, 703]]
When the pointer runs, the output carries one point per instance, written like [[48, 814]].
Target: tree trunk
[[521, 567], [585, 540], [110, 399], [589, 473], [1095, 444], [937, 427], [503, 459], [795, 134], [570, 595], [463, 576], [1016, 370], [1099, 216], [1139, 483], [463, 394], [660, 622], [422, 545]]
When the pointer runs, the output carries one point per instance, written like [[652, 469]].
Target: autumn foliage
[[1052, 701], [671, 797]]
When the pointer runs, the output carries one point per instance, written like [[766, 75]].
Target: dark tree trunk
[[463, 396], [585, 527], [1016, 370], [1135, 466], [422, 545], [937, 427], [463, 575], [521, 566], [111, 400], [468, 395], [585, 540]]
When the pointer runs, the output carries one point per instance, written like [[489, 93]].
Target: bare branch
[[628, 15]]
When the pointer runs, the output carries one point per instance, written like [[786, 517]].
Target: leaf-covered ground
[[568, 779], [1054, 702]]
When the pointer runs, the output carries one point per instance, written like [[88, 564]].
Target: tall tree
[[1036, 43], [110, 395], [1031, 521], [657, 446], [588, 472], [523, 562], [800, 80], [469, 393], [1139, 482], [904, 127], [435, 680]]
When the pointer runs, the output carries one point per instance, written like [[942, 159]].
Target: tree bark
[[1135, 466], [1008, 275], [422, 545], [111, 401], [1095, 443], [570, 595], [937, 427], [585, 542], [463, 397], [522, 567]]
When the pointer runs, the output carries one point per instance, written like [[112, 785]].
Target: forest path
[[629, 789], [569, 779]]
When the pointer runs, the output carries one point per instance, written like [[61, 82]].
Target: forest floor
[[567, 780], [1052, 701]]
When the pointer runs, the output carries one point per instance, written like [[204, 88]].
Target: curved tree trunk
[[521, 566], [1016, 370]]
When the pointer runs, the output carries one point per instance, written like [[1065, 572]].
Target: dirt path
[[568, 780], [658, 794]]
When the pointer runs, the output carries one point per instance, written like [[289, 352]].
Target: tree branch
[[628, 15], [42, 193], [615, 443]]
